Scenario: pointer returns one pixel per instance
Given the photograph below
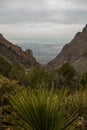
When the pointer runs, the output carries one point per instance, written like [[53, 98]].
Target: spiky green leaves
[[41, 110]]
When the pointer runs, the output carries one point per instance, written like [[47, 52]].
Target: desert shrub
[[5, 67], [78, 101], [17, 73], [36, 76], [84, 79], [8, 88]]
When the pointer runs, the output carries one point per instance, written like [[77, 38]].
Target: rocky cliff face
[[74, 52], [15, 55]]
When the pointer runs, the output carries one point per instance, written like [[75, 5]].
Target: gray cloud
[[39, 11], [79, 1], [38, 17]]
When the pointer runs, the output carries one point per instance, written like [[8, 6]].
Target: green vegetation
[[8, 88], [41, 110], [67, 74], [41, 99], [84, 79], [85, 54], [5, 67]]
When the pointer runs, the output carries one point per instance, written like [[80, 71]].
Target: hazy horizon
[[42, 25], [43, 53]]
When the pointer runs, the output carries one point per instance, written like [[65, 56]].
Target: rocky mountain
[[74, 53], [15, 55]]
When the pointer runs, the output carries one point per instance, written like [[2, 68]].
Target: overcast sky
[[42, 20]]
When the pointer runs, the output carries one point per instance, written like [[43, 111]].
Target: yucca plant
[[41, 110]]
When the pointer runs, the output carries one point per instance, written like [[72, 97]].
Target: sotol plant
[[41, 110]]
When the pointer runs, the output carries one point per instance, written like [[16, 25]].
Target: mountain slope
[[74, 52], [15, 55]]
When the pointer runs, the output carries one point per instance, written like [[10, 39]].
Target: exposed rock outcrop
[[15, 54], [74, 52]]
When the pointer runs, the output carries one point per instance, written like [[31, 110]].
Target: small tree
[[66, 74]]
